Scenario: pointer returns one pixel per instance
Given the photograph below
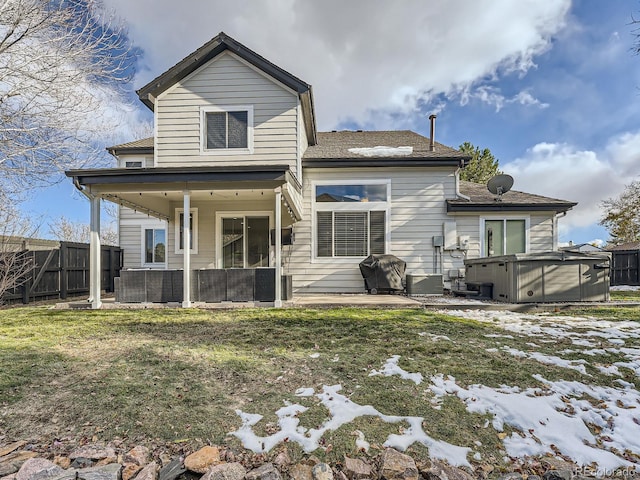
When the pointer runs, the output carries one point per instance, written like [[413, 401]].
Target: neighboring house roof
[[214, 47], [483, 200], [624, 246], [358, 148], [581, 247]]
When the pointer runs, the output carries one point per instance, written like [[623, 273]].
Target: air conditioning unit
[[428, 284]]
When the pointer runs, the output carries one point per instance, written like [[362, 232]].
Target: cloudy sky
[[551, 87]]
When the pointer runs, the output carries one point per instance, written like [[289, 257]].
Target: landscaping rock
[[9, 477], [81, 462], [38, 469], [11, 448], [129, 470], [225, 471], [62, 462], [442, 471], [15, 460], [105, 472], [282, 458], [93, 452], [300, 471], [172, 470], [266, 472], [397, 466], [356, 469], [149, 472], [201, 460], [558, 475], [322, 471], [512, 476], [138, 455], [8, 469]]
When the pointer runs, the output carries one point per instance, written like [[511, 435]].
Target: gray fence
[[64, 272], [625, 267]]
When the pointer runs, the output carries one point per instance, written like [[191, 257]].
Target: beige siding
[[146, 160], [223, 82], [417, 213], [541, 233], [132, 224], [130, 235]]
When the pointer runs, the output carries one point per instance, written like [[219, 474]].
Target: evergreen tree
[[483, 164]]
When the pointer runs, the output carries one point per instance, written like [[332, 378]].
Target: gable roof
[[142, 146], [338, 149], [481, 199], [214, 47]]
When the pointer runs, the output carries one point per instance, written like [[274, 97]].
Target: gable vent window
[[227, 130]]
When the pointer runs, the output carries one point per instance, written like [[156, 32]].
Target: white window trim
[[348, 207], [225, 151], [155, 225], [244, 214], [194, 231], [527, 225]]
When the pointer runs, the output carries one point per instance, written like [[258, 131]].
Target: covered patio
[[267, 198]]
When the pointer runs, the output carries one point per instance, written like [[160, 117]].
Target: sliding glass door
[[245, 242]]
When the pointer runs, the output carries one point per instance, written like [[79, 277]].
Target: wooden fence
[[64, 272], [625, 267]]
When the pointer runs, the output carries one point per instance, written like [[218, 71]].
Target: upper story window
[[351, 219], [226, 130]]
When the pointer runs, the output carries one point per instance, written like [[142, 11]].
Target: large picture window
[[351, 219], [504, 237], [226, 130]]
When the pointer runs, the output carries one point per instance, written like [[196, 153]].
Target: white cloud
[[583, 176], [362, 57]]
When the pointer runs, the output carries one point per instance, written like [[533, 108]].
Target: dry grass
[[168, 375]]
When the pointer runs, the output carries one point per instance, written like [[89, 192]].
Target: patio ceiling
[[154, 190]]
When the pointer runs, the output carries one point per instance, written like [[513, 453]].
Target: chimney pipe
[[432, 141]]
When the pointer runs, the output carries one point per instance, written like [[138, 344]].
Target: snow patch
[[556, 418], [382, 151], [341, 412], [391, 368]]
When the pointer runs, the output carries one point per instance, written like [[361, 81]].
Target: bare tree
[[66, 230], [16, 265], [63, 65]]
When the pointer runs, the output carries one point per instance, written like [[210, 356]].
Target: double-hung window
[[351, 219], [226, 130], [504, 236]]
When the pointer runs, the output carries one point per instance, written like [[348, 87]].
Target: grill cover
[[383, 272]]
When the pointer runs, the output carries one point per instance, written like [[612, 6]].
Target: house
[[238, 186]]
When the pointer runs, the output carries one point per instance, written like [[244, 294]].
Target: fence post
[[64, 274]]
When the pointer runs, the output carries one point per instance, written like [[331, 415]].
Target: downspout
[[458, 194], [557, 216]]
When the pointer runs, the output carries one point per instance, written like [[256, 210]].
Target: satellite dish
[[499, 185]]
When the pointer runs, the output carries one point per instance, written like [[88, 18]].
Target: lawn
[[173, 375]]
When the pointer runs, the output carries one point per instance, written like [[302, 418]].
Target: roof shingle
[[336, 145]]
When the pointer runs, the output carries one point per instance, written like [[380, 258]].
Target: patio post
[[95, 269], [278, 243], [186, 251]]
